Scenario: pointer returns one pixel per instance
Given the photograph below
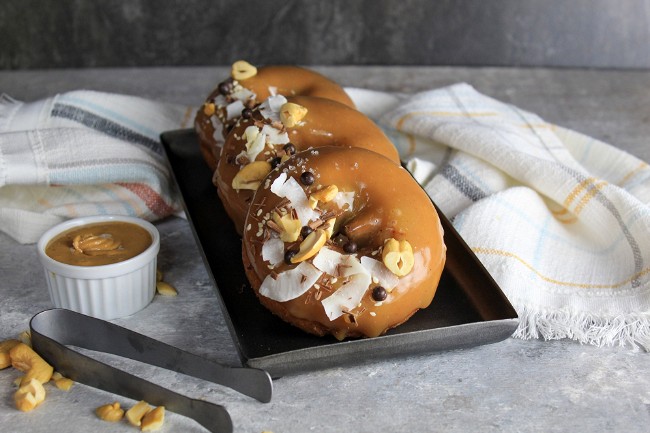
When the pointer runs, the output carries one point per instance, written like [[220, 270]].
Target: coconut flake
[[328, 261], [347, 297], [338, 265], [234, 109], [220, 101], [274, 135], [242, 94], [278, 183], [291, 189], [343, 198], [255, 142], [270, 109], [290, 284], [379, 271], [299, 201], [273, 251]]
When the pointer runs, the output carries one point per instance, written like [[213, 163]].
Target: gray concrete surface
[[512, 386]]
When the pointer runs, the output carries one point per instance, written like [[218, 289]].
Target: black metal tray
[[468, 310]]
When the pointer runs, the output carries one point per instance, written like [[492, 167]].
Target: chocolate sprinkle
[[379, 294]]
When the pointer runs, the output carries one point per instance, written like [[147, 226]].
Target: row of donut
[[337, 237]]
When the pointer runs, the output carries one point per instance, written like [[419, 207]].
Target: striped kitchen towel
[[83, 153], [559, 219]]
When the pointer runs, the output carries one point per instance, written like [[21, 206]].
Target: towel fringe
[[630, 330]]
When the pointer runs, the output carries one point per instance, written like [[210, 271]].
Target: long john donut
[[324, 123], [248, 86], [343, 241]]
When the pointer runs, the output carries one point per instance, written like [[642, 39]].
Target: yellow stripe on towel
[[495, 252]]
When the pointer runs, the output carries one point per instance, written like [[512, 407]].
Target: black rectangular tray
[[468, 310]]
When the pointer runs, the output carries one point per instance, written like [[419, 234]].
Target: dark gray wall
[[85, 33]]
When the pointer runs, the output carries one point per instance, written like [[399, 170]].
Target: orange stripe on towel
[[151, 198]]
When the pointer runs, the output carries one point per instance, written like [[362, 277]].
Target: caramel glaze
[[287, 81], [327, 123], [398, 207]]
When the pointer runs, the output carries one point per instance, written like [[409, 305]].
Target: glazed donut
[[248, 86], [343, 241], [246, 159]]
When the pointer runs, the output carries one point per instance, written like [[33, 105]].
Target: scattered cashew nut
[[23, 358], [29, 395], [398, 256], [139, 410], [110, 412], [166, 289], [5, 347], [153, 420]]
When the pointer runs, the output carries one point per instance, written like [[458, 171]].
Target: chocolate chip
[[276, 161], [225, 87], [288, 255], [307, 178], [246, 113], [289, 148], [305, 231], [379, 294], [350, 247]]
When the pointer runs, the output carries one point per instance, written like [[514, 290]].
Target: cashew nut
[[326, 194], [63, 383], [23, 358], [5, 347], [29, 395], [166, 289], [135, 414], [398, 257], [209, 108], [153, 420], [110, 412], [242, 70], [291, 114], [310, 246], [251, 175], [290, 227]]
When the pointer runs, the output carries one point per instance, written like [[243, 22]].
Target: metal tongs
[[53, 329]]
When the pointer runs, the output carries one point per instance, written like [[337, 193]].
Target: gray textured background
[[566, 33]]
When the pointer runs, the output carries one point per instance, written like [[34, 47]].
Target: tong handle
[[91, 372], [72, 328]]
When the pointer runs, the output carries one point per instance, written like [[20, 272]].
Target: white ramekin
[[108, 291]]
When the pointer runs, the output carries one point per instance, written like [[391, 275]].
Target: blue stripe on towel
[[107, 113], [463, 184], [105, 126]]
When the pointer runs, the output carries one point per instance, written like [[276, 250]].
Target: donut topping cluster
[[265, 135], [303, 252], [233, 100]]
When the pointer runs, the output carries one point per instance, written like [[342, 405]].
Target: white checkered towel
[[559, 219], [83, 153]]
